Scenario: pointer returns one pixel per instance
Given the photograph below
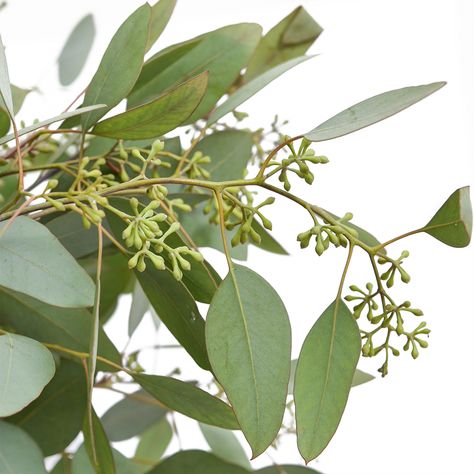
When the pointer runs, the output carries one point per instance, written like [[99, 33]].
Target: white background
[[392, 176]]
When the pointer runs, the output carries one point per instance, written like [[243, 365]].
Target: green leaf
[[120, 66], [50, 121], [160, 15], [131, 416], [196, 462], [267, 241], [324, 376], [18, 452], [82, 465], [63, 466], [18, 95], [35, 263], [69, 328], [452, 224], [371, 111], [26, 367], [287, 469], [5, 89], [55, 418], [97, 446], [75, 51], [8, 188], [225, 445], [189, 400], [223, 53], [249, 89], [287, 40], [153, 443], [202, 281], [157, 117], [249, 345], [361, 377], [140, 305]]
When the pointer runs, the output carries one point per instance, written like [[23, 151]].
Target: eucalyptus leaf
[[371, 111], [131, 416], [26, 367], [18, 96], [35, 263], [54, 419], [323, 378], [189, 400], [267, 242], [287, 469], [140, 305], [248, 340], [5, 89], [154, 442], [18, 452], [361, 377], [157, 117], [452, 224], [81, 463], [160, 15], [75, 51], [119, 67], [249, 89], [225, 445]]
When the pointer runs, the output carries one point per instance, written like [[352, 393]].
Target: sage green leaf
[[267, 241], [54, 419], [160, 15], [35, 263], [287, 469], [75, 51], [225, 445], [223, 53], [202, 281], [140, 305], [8, 188], [18, 96], [18, 452], [100, 146], [153, 443], [289, 39], [5, 89], [452, 224], [26, 367], [324, 377], [189, 400], [157, 117], [196, 462], [248, 340], [63, 466], [120, 66], [49, 121], [361, 377], [131, 416], [243, 93], [371, 111], [81, 463], [69, 328], [97, 446]]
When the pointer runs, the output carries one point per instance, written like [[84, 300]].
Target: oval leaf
[[371, 111], [452, 224], [249, 344], [26, 366], [324, 376], [188, 400], [34, 262], [75, 51], [157, 117], [5, 89], [153, 443]]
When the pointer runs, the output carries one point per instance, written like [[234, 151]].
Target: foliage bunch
[[123, 204]]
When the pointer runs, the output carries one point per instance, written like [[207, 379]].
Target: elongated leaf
[[5, 90], [120, 66], [371, 111], [44, 123], [248, 340], [225, 445], [324, 376], [160, 15], [287, 40], [26, 367], [81, 463], [361, 377], [18, 96], [287, 469], [267, 242], [69, 328], [97, 446], [55, 418], [18, 452], [249, 89], [197, 462], [153, 443], [131, 416], [75, 51], [452, 224], [223, 53], [140, 305], [188, 400], [35, 263], [157, 117]]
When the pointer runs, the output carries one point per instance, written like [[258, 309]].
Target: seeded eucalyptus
[[100, 207]]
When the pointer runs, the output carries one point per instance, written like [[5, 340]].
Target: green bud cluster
[[396, 266], [326, 234], [194, 168], [367, 299]]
